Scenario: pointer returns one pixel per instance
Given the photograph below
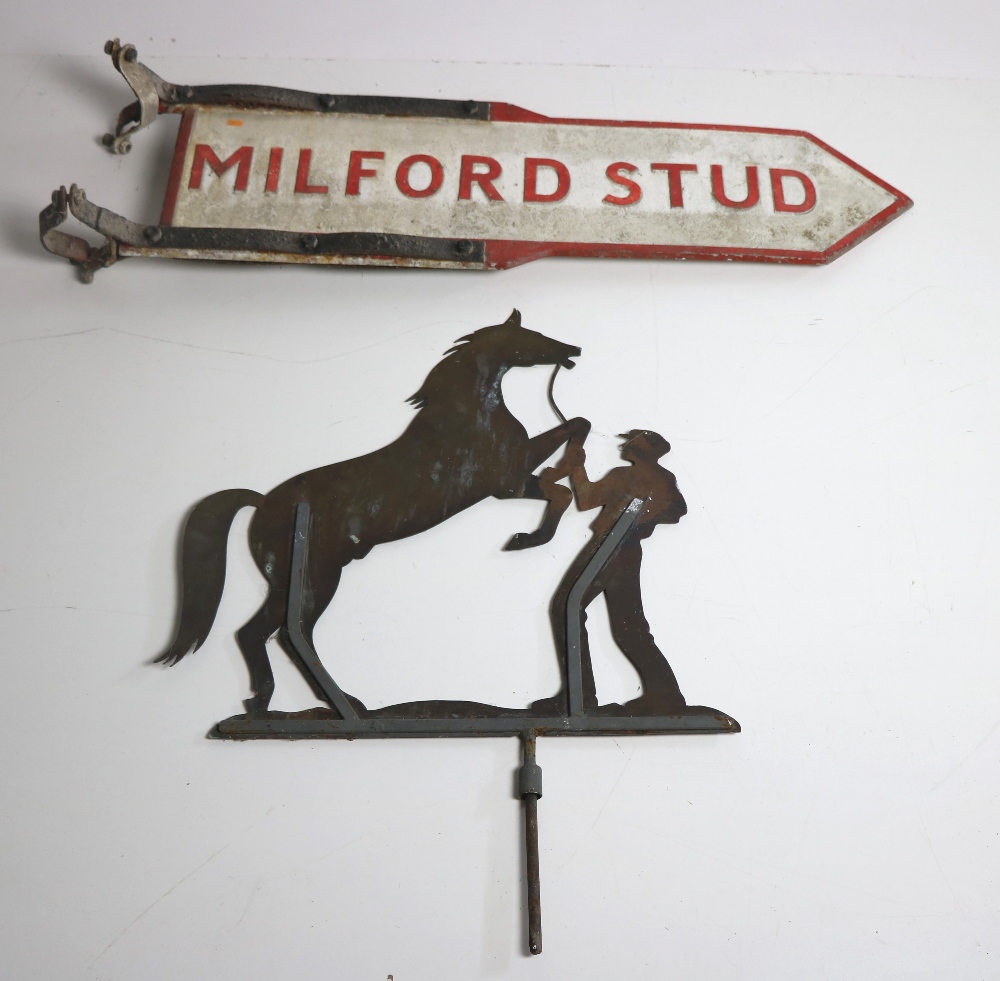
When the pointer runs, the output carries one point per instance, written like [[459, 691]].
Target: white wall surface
[[957, 38], [833, 586]]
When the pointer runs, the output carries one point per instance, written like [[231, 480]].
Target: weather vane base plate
[[694, 720]]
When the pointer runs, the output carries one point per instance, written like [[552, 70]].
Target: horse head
[[510, 345], [486, 354]]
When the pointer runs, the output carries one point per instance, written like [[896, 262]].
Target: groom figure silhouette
[[619, 579]]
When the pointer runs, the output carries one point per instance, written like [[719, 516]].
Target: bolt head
[[470, 108], [109, 46], [131, 55], [329, 101], [153, 233], [463, 247], [310, 242]]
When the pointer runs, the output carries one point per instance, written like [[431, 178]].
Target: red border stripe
[[177, 167], [504, 254]]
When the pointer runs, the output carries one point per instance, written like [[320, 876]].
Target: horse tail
[[203, 567]]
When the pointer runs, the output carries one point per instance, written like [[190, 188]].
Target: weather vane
[[463, 446]]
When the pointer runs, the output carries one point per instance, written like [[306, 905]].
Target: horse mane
[[442, 377]]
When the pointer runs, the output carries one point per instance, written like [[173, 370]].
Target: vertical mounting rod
[[530, 789]]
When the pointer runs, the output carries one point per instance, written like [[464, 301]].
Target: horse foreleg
[[544, 488], [542, 446]]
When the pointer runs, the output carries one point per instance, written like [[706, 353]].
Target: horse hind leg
[[323, 582], [252, 638]]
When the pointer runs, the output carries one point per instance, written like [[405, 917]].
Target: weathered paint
[[264, 174], [527, 185]]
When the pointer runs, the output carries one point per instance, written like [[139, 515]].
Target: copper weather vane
[[462, 447]]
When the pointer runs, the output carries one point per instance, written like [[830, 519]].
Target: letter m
[[204, 154]]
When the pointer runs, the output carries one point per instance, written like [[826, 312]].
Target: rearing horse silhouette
[[462, 446]]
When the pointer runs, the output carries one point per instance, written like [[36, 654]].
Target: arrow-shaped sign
[[276, 175]]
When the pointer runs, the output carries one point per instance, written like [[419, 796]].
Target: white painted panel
[[846, 198]]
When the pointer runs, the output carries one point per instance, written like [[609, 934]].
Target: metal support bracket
[[574, 604], [156, 95], [297, 591], [149, 88], [86, 257], [458, 719], [127, 239]]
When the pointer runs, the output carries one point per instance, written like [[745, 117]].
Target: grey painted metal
[[695, 719], [529, 777], [574, 605], [297, 590]]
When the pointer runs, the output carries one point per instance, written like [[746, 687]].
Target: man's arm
[[589, 494]]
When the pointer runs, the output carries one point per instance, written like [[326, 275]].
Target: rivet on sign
[[153, 233], [464, 247], [310, 242], [470, 107], [109, 46], [329, 101], [131, 54]]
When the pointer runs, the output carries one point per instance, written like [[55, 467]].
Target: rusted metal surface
[[272, 175], [125, 239], [530, 791], [86, 257], [462, 446]]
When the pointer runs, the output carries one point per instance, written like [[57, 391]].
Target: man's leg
[[623, 594]]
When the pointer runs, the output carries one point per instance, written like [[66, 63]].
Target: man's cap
[[655, 440]]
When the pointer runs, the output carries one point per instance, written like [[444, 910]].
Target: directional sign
[[527, 186], [275, 175]]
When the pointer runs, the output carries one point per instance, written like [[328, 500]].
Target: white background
[[832, 587]]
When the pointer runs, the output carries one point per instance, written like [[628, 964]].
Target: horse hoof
[[554, 706], [653, 705], [256, 706], [519, 541], [357, 705]]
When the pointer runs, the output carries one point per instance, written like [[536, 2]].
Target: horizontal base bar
[[694, 720]]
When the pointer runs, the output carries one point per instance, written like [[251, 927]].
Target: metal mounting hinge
[[149, 88], [86, 257]]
